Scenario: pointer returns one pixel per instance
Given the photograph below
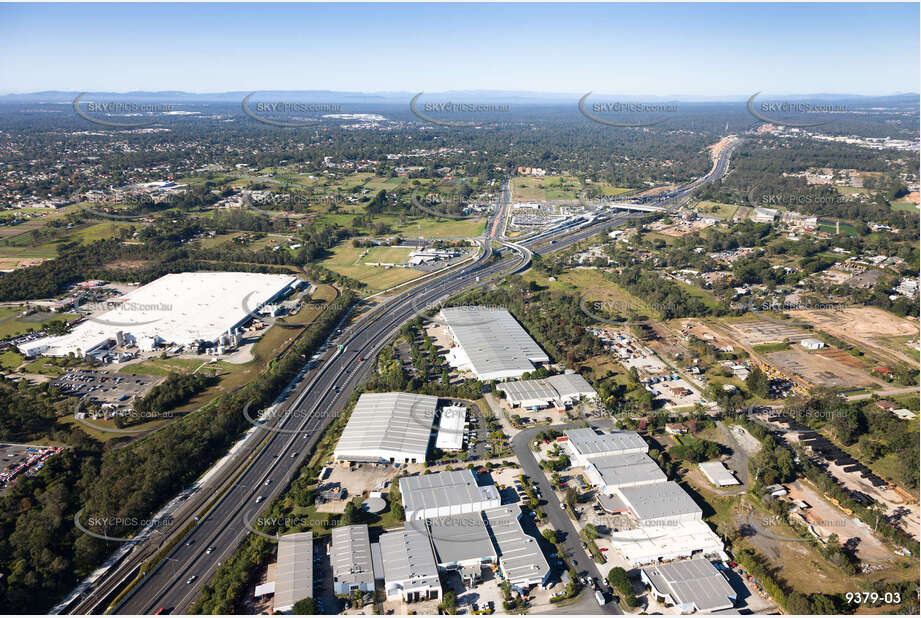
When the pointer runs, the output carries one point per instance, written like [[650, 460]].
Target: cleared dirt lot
[[828, 520], [704, 332], [908, 514], [819, 369], [864, 327]]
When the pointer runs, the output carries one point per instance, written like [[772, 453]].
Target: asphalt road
[[171, 585], [572, 544], [177, 581]]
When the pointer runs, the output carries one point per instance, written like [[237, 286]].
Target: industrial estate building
[[717, 473], [612, 472], [409, 566], [350, 557], [451, 428], [520, 558], [461, 543], [560, 391], [693, 586], [669, 540], [490, 343], [583, 445], [452, 525], [444, 494], [663, 521], [659, 503], [294, 572], [177, 309], [388, 427]]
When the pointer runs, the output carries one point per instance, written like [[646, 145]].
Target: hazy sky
[[714, 49]]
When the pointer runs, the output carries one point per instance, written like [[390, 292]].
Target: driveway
[[739, 457]]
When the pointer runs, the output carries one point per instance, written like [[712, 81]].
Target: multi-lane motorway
[[172, 585], [177, 580]]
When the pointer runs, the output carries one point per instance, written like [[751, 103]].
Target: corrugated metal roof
[[693, 582], [452, 487], [294, 573], [659, 500], [493, 340], [388, 421], [570, 385], [628, 468], [458, 538], [587, 442], [717, 472], [407, 556], [350, 555], [528, 390], [451, 428], [519, 554]]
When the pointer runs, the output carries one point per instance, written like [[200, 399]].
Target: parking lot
[[674, 391], [106, 387], [17, 460]]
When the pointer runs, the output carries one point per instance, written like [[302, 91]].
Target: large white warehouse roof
[[178, 308], [520, 556], [451, 428], [388, 427], [492, 344]]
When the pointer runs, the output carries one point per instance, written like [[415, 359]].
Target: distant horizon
[[719, 50], [494, 94]]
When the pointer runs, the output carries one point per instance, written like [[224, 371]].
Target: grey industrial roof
[[294, 573], [522, 390], [693, 581], [717, 472], [428, 491], [519, 554], [628, 468], [493, 340], [570, 384], [389, 421], [350, 555], [587, 442], [564, 386], [659, 500], [407, 555], [612, 504], [457, 538]]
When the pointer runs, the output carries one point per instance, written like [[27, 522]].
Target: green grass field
[[349, 261], [10, 359], [387, 255], [767, 348], [829, 228], [851, 190], [716, 209], [44, 366], [593, 286], [547, 188], [97, 231], [11, 324], [607, 188], [905, 206], [25, 246]]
